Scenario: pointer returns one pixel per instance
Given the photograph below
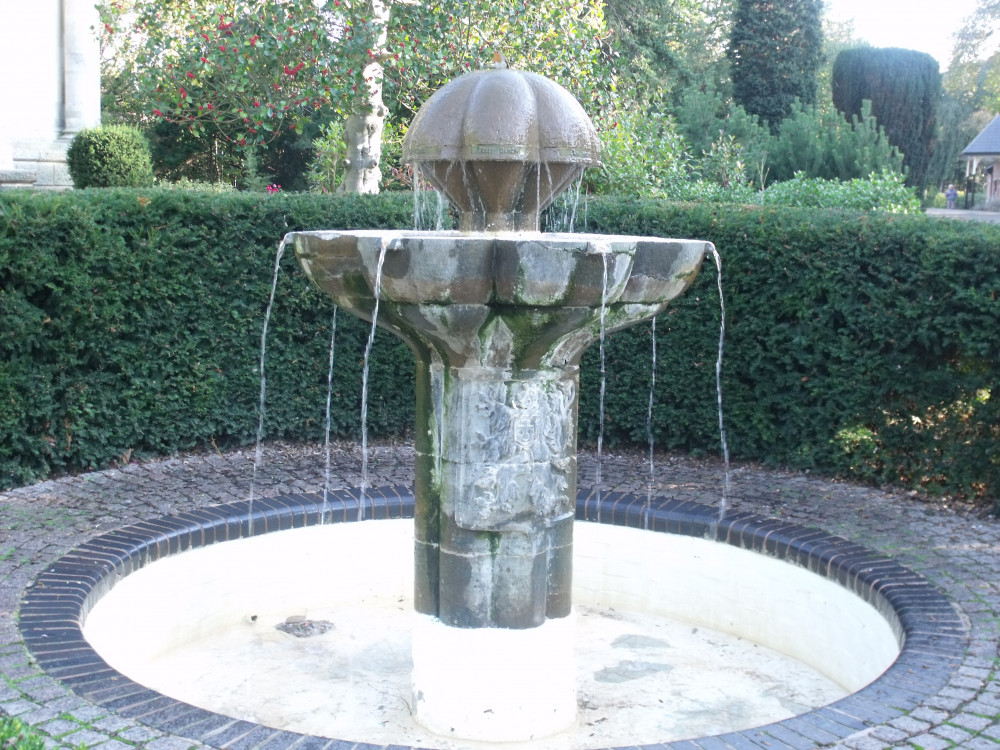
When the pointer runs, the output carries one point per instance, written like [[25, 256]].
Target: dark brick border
[[932, 635]]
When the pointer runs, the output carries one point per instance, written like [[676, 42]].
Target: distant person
[[951, 195]]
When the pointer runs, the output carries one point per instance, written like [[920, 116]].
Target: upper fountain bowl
[[501, 144]]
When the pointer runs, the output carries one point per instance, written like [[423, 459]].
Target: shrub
[[130, 325], [113, 156], [197, 185], [326, 167], [858, 344], [903, 86], [775, 51], [642, 153], [822, 144], [16, 735], [884, 191]]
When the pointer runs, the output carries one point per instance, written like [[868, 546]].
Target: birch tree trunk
[[363, 129]]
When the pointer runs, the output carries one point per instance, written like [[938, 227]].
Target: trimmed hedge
[[130, 325], [857, 345]]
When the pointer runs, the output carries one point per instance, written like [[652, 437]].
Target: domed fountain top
[[501, 144]]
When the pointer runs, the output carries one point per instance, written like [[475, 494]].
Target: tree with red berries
[[246, 69]]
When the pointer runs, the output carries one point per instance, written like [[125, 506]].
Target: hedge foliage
[[130, 325], [860, 345]]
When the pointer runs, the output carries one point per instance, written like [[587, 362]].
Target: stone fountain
[[498, 316], [832, 635]]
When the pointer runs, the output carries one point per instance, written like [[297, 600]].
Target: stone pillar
[[52, 85], [81, 64], [497, 462], [496, 493], [498, 323]]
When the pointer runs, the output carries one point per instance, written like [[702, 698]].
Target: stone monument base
[[46, 160]]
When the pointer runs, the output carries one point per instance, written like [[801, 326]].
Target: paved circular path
[[956, 548]]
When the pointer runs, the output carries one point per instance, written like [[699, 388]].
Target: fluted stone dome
[[501, 144]]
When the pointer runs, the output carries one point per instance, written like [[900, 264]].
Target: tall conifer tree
[[904, 88], [774, 53]]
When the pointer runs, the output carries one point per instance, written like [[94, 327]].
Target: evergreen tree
[[904, 87], [775, 51], [660, 47]]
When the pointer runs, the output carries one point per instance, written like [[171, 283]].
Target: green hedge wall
[[860, 345], [130, 325], [857, 345]]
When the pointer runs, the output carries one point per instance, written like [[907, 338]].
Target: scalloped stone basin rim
[[506, 268], [634, 591]]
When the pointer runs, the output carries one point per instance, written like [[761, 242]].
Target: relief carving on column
[[514, 469]]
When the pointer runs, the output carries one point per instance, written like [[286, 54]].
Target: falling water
[[649, 409], [416, 197], [649, 430], [263, 384], [574, 203], [427, 215], [364, 384], [600, 432], [442, 204], [538, 194], [329, 399], [718, 385], [561, 215]]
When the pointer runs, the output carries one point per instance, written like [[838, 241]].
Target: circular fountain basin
[[741, 627], [675, 637]]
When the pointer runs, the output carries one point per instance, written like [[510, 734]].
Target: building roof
[[987, 143]]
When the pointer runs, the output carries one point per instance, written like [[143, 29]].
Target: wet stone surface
[[957, 548]]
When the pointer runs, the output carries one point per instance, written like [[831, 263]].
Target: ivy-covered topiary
[[112, 156]]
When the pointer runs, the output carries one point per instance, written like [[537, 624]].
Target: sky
[[925, 25]]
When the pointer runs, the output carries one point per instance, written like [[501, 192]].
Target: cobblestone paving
[[955, 547]]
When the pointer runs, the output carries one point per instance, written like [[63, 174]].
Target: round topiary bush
[[112, 156]]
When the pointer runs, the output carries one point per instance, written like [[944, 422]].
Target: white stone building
[[50, 87], [984, 152]]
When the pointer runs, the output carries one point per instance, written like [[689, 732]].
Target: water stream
[[561, 215], [329, 399], [649, 409], [417, 212], [258, 449], [649, 426], [426, 215], [724, 501], [604, 381], [364, 382], [574, 204]]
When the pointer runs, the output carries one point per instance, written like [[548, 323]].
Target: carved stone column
[[498, 323]]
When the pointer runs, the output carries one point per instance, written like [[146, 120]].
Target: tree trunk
[[363, 129]]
